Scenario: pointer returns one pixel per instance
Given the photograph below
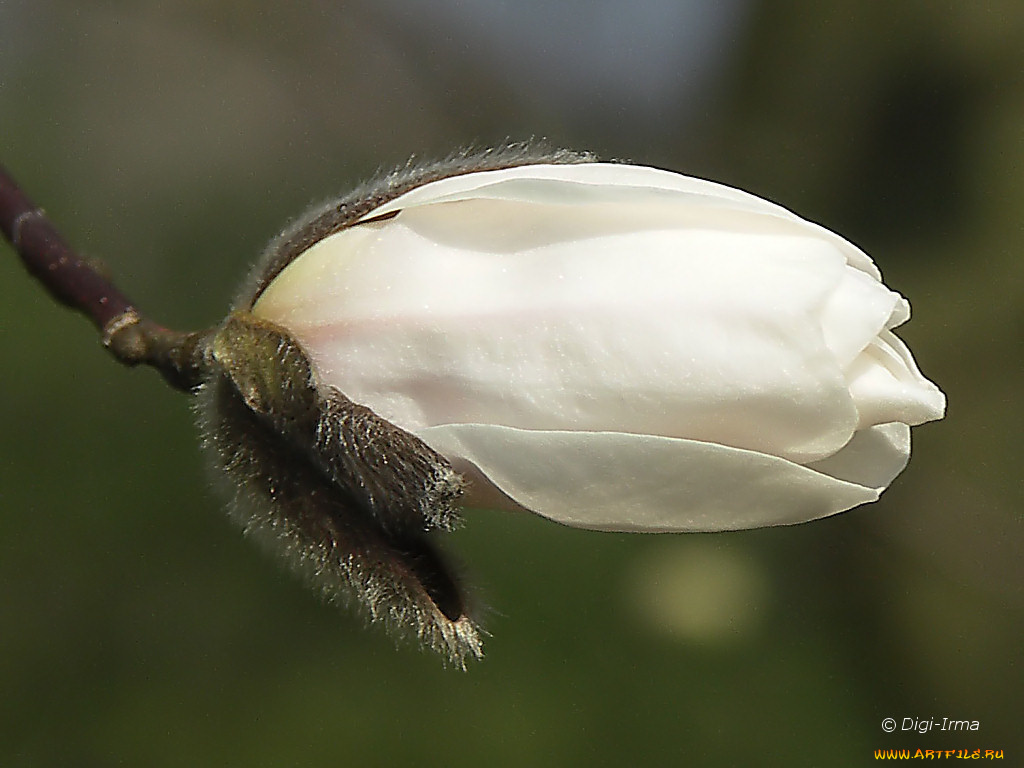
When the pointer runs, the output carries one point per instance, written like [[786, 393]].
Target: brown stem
[[130, 337]]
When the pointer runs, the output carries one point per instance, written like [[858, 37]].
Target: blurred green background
[[172, 139]]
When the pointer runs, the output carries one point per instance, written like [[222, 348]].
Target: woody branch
[[132, 338]]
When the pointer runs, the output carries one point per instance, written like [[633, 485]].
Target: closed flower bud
[[610, 346]]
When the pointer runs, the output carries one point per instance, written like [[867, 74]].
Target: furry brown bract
[[354, 504], [351, 501]]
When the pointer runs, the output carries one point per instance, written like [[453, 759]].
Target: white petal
[[854, 314], [541, 317], [900, 313], [623, 482], [872, 458], [887, 386], [589, 183], [583, 183]]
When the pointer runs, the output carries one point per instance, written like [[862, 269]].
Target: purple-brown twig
[[130, 337]]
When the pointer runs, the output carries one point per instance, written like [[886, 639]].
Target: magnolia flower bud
[[610, 346]]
